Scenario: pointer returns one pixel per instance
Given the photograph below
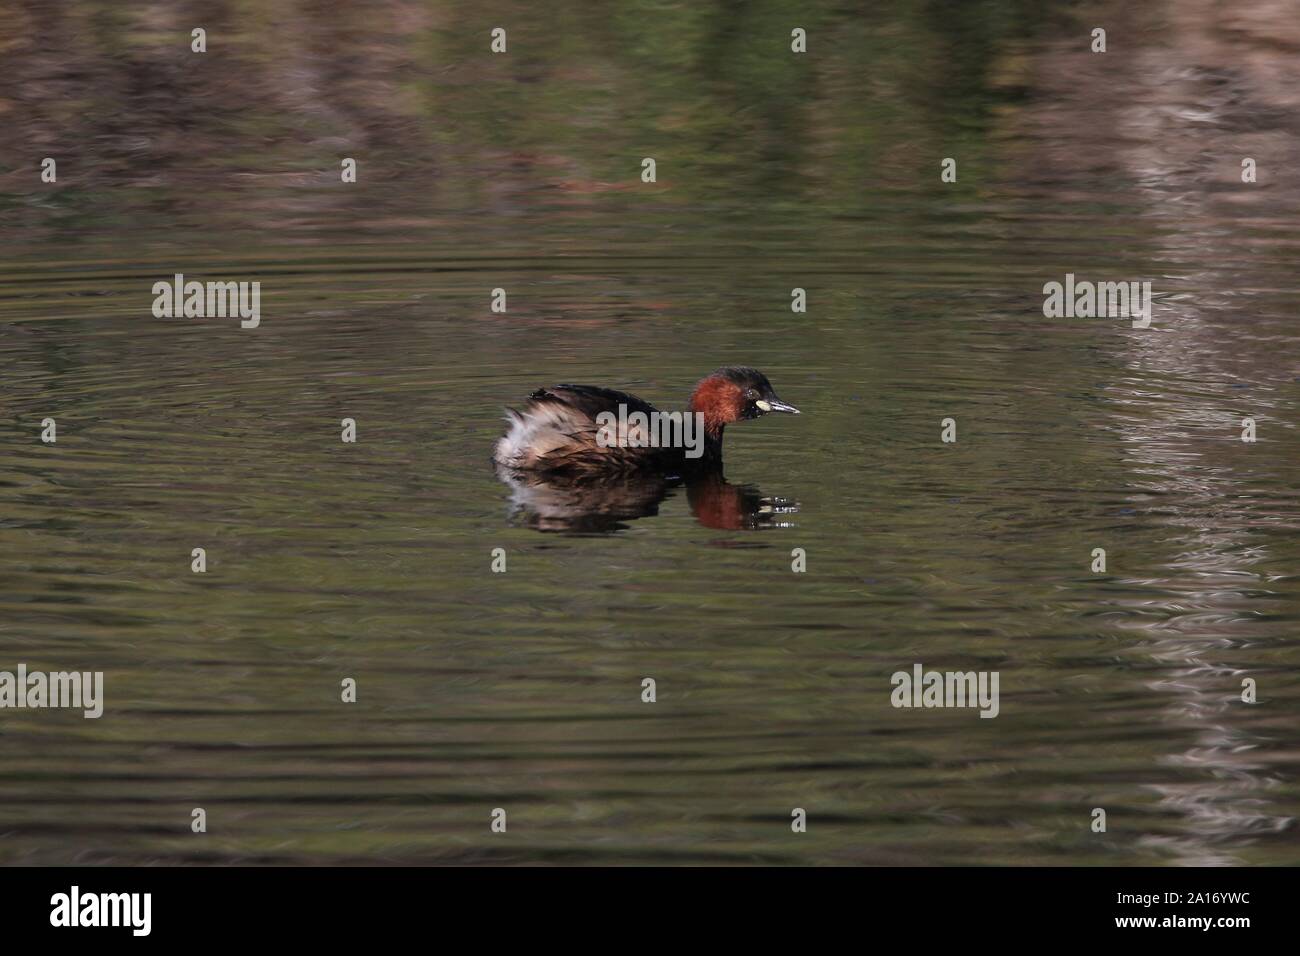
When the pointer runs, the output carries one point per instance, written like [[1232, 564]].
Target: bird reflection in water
[[549, 503]]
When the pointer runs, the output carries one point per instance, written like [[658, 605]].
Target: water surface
[[522, 690]]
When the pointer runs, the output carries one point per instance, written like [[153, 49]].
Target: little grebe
[[566, 429]]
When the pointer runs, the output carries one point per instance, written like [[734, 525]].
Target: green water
[[522, 690]]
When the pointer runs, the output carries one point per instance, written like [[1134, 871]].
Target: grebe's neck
[[712, 456], [712, 400]]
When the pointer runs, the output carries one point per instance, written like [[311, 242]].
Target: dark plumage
[[559, 431]]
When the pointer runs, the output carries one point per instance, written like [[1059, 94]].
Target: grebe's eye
[[751, 394]]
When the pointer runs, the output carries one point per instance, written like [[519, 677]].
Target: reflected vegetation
[[1213, 91]]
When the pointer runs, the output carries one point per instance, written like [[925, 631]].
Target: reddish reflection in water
[[556, 504]]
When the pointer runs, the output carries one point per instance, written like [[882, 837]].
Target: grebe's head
[[734, 394]]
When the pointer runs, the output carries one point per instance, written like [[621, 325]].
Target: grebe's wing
[[592, 399], [557, 431]]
